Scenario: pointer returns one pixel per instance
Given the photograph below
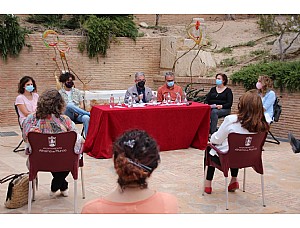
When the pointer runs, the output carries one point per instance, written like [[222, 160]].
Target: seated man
[[169, 87], [139, 92], [74, 101]]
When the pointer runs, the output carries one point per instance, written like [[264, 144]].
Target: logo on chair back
[[52, 141], [248, 141]]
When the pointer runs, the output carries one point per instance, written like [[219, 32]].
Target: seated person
[[135, 157], [264, 86], [295, 143], [74, 100], [220, 99], [27, 99], [139, 92], [249, 118], [49, 119], [169, 87]]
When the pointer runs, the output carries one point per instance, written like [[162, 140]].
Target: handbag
[[17, 192]]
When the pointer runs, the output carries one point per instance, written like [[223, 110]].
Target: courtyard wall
[[115, 71]]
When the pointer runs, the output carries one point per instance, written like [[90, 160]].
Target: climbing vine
[[12, 36]]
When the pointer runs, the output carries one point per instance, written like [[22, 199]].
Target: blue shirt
[[268, 102]]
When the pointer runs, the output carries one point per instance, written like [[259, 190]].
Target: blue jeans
[[83, 116], [215, 114]]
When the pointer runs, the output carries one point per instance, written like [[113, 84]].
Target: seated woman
[[250, 118], [268, 96], [27, 99], [49, 119], [136, 156], [220, 100]]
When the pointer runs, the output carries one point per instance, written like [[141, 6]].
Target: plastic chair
[[245, 150], [17, 148], [53, 153]]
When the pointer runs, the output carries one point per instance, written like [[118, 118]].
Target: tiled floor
[[180, 173]]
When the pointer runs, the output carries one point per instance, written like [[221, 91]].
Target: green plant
[[259, 52], [266, 23], [102, 30], [226, 50], [250, 43], [285, 75], [228, 62], [46, 19], [12, 36]]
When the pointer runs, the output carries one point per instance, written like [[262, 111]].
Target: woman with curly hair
[[264, 86], [49, 119], [26, 101], [249, 119], [136, 156]]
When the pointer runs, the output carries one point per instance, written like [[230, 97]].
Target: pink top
[[159, 203], [29, 104]]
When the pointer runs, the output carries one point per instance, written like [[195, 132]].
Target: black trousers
[[211, 170], [59, 181]]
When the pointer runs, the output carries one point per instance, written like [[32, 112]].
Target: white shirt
[[220, 137]]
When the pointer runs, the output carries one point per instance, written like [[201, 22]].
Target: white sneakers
[[63, 193]]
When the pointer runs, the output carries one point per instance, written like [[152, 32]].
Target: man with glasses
[[169, 87], [139, 92]]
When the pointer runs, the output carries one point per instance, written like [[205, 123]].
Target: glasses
[[143, 80]]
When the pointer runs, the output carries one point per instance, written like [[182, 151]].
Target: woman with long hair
[[249, 119], [264, 86]]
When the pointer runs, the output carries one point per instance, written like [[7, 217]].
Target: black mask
[[69, 84], [141, 84]]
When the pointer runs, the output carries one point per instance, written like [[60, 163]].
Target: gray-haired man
[[139, 91]]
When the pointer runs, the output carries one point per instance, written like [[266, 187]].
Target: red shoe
[[232, 187], [208, 190]]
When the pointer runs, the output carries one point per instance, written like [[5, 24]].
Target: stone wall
[[182, 19]]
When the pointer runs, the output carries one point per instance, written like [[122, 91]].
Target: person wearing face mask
[[264, 86], [74, 100], [26, 101], [169, 87], [220, 99], [139, 92]]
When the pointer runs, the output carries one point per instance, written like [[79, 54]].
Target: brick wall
[[115, 71], [290, 117]]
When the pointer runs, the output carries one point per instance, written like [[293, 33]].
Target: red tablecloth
[[173, 127]]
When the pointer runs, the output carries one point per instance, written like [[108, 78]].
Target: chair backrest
[[245, 150], [53, 153], [17, 111], [277, 108]]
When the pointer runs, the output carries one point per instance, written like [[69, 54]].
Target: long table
[[173, 127]]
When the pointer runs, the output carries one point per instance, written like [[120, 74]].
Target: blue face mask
[[170, 84], [29, 88], [219, 82]]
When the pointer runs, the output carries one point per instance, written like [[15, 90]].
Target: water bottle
[[130, 101], [111, 101], [185, 99], [169, 98], [178, 98]]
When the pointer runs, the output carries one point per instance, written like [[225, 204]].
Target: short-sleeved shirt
[[165, 89], [29, 104], [159, 203], [75, 96]]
